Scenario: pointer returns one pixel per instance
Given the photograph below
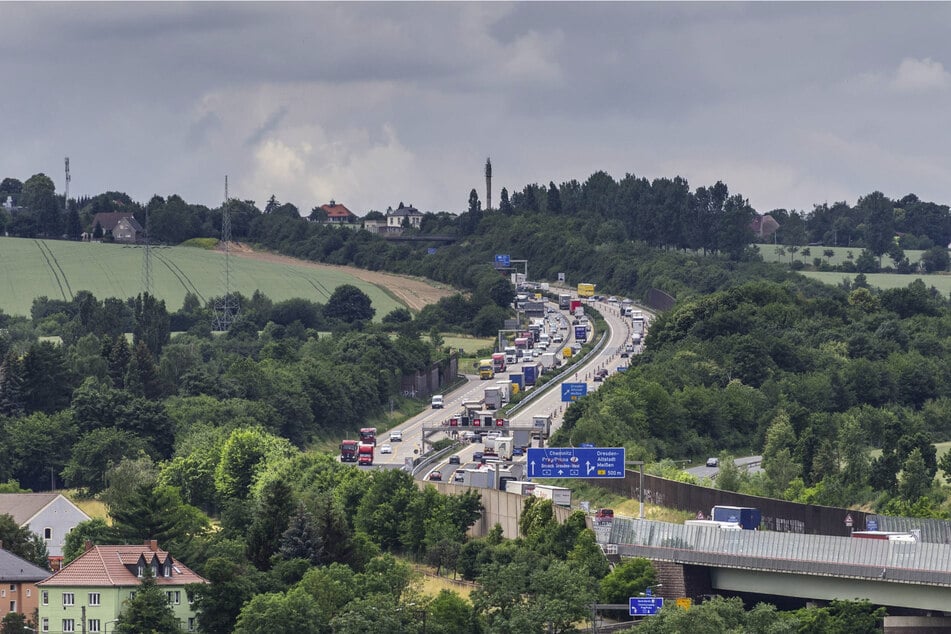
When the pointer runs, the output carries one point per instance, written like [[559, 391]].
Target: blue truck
[[532, 372], [747, 517]]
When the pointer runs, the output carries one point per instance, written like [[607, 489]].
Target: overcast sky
[[372, 104]]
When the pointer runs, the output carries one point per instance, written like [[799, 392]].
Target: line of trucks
[[360, 451]]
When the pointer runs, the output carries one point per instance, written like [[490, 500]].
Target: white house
[[49, 515]]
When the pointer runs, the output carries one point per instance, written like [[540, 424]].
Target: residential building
[[402, 217], [49, 515], [121, 225], [338, 214], [763, 226], [18, 579], [96, 585]]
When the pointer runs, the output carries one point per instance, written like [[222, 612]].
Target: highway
[[608, 357]]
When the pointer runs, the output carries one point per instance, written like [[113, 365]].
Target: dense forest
[[179, 434]]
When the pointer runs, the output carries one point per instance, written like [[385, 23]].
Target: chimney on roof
[[152, 544], [333, 203], [87, 545]]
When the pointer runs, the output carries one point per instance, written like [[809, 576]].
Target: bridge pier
[[682, 580]]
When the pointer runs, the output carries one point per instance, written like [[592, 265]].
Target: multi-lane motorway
[[608, 357]]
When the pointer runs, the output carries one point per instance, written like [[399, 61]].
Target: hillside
[[58, 269]]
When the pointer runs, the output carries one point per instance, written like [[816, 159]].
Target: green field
[[58, 269], [942, 282], [840, 255]]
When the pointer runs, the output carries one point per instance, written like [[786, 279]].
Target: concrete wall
[[500, 508]]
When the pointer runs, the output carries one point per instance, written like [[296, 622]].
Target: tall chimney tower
[[488, 184]]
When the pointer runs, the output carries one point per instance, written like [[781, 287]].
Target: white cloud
[[920, 75]]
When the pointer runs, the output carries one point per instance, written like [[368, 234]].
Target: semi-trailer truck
[[348, 451], [368, 436], [493, 397], [585, 290], [559, 496], [564, 300], [365, 455], [498, 362], [486, 372], [747, 517]]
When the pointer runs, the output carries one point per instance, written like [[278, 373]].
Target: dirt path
[[415, 292]]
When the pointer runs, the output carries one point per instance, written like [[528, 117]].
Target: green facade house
[[96, 585]]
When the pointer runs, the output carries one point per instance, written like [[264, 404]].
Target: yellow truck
[[486, 370], [585, 290]]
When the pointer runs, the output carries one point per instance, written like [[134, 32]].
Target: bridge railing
[[792, 552]]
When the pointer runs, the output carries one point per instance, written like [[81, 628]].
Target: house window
[[68, 599], [3, 593], [141, 569], [178, 597], [46, 597], [191, 624], [47, 533], [45, 625], [168, 569], [92, 625], [29, 592], [69, 625], [13, 606], [93, 598], [131, 595], [173, 597]]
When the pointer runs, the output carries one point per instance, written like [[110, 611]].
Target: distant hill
[[58, 269]]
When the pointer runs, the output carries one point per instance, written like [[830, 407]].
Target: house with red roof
[[90, 592], [338, 214]]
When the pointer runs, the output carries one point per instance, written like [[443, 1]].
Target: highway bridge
[[708, 560]]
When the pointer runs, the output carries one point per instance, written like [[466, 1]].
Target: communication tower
[[488, 184]]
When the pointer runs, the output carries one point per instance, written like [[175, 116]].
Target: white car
[[437, 401], [396, 436], [386, 449]]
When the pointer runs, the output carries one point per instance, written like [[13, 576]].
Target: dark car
[[478, 456], [518, 451], [454, 459], [435, 475]]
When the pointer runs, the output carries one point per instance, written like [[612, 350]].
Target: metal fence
[[778, 515], [905, 560]]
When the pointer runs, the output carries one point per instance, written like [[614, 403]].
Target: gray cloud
[[790, 104]]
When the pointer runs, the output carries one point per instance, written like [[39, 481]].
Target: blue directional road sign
[[576, 462], [643, 606], [503, 261], [573, 391]]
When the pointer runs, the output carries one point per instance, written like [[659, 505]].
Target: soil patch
[[415, 292]]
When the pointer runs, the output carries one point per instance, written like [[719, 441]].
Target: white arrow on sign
[[588, 467]]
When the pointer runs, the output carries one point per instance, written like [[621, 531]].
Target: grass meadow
[[58, 269]]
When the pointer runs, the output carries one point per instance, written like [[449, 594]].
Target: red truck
[[348, 451], [365, 455], [368, 435]]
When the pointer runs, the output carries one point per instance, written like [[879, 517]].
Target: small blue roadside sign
[[502, 261], [586, 445], [576, 462], [871, 525], [645, 606], [573, 391]]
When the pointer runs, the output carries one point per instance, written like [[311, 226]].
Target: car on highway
[[396, 436], [437, 401], [478, 456], [558, 338], [713, 462], [601, 374], [518, 451], [386, 449], [436, 476], [458, 476], [454, 459]]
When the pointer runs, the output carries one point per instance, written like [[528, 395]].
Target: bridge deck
[[896, 561]]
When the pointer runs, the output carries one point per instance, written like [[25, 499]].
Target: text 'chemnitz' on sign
[[576, 462]]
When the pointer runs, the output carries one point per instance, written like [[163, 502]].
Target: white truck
[[548, 360], [505, 386], [511, 355], [519, 487], [541, 426], [560, 496], [493, 397], [503, 447]]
